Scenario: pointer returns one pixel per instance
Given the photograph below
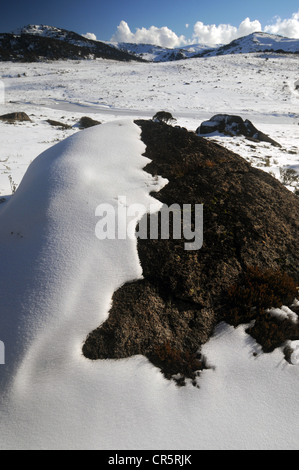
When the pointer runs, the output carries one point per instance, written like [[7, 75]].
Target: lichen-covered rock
[[251, 225]]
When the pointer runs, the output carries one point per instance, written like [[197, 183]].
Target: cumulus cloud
[[209, 34], [90, 36], [287, 27], [223, 33], [164, 36]]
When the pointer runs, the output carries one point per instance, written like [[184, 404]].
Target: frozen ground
[[57, 278]]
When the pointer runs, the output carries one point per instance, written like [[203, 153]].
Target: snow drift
[[57, 280], [49, 248]]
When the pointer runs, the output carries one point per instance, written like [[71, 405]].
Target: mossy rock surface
[[251, 224]]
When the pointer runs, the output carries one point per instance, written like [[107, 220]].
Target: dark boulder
[[250, 246], [233, 126], [86, 122], [15, 117]]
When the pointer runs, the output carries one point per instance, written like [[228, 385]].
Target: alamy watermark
[[2, 353], [170, 222], [2, 92]]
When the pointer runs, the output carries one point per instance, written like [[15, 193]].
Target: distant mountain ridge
[[41, 42], [258, 42], [253, 43], [154, 53]]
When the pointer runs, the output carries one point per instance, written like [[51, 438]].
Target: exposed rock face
[[14, 117], [233, 126], [142, 318], [250, 220]]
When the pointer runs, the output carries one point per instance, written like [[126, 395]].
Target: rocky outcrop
[[234, 126], [15, 117], [250, 247]]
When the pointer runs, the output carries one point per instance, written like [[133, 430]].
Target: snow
[[295, 355], [284, 313], [257, 87], [154, 53], [258, 42], [57, 278]]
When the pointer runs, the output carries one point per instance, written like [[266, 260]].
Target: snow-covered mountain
[[258, 42], [154, 53], [255, 42], [39, 42]]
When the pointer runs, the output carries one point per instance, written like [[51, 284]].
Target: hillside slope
[[37, 43]]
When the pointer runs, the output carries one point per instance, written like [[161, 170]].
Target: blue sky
[[102, 17]]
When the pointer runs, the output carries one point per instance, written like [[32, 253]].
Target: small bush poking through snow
[[12, 184], [164, 116], [289, 177]]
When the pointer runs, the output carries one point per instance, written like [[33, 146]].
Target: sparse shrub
[[164, 116], [288, 176], [259, 290], [13, 185]]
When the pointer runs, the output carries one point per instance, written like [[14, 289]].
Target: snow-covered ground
[[57, 278], [258, 87]]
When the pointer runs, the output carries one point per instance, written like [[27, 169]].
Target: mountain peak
[[253, 43], [42, 42], [259, 42]]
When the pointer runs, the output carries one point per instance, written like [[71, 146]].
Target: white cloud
[[288, 27], [164, 36], [90, 36], [209, 34], [223, 33], [248, 27]]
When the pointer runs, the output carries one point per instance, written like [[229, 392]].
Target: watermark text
[[170, 222]]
